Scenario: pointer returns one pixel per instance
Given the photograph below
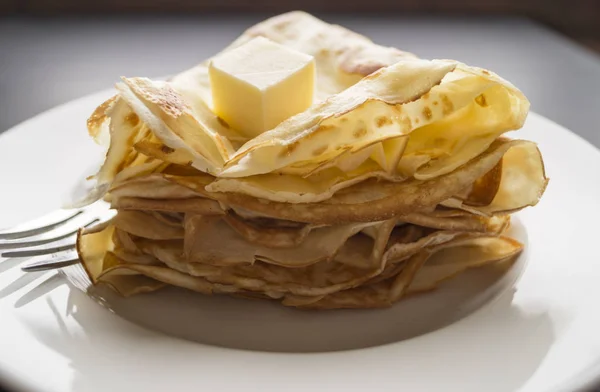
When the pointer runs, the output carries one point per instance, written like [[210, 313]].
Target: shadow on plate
[[497, 356], [267, 326], [22, 281], [501, 353]]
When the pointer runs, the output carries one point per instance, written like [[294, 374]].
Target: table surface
[[46, 62]]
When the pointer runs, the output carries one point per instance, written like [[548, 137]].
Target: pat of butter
[[260, 84]]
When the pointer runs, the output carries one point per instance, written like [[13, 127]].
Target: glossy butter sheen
[[260, 84]]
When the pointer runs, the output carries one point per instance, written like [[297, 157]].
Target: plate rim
[[592, 373]]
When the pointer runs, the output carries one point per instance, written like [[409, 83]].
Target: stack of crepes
[[396, 179]]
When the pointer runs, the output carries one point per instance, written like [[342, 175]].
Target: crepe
[[396, 179]]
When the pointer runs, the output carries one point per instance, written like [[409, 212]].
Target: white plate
[[541, 336]]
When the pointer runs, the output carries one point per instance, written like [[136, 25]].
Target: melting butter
[[260, 84]]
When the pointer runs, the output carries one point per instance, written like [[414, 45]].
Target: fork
[[49, 241]]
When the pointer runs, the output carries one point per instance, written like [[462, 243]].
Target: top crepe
[[407, 118]]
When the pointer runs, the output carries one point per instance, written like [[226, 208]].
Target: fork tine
[[44, 249], [56, 237], [25, 244], [56, 261], [52, 245], [12, 235]]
